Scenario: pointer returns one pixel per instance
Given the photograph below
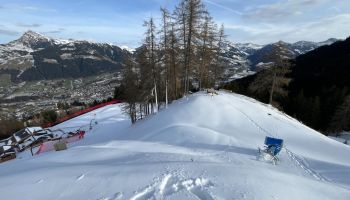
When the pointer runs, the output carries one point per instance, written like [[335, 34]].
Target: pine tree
[[180, 33], [341, 119], [150, 43], [130, 84], [189, 13], [207, 51], [165, 49], [218, 66], [174, 61], [146, 80]]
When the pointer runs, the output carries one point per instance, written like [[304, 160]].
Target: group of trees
[[329, 114], [320, 88], [180, 53], [340, 120], [9, 126]]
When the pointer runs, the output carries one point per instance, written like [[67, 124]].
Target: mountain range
[[37, 57], [245, 58]]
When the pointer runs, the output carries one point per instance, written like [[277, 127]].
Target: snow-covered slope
[[201, 147]]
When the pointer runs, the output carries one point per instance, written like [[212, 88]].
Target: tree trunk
[[166, 95], [155, 93], [272, 87]]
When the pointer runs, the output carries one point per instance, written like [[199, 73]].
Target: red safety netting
[[50, 145], [76, 114]]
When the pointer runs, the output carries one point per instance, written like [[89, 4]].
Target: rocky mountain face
[[236, 58], [37, 57]]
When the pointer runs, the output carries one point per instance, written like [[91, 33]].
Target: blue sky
[[120, 21]]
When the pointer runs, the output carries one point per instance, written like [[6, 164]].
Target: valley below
[[24, 99]]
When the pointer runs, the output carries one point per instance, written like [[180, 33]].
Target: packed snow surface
[[201, 147]]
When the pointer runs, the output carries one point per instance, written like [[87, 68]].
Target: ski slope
[[201, 147]]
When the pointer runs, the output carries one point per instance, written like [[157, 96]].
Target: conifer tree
[[174, 62], [341, 119], [218, 67], [130, 84], [189, 13], [206, 50], [165, 49], [151, 56]]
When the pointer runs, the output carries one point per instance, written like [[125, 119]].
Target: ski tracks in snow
[[303, 164], [251, 120], [170, 184]]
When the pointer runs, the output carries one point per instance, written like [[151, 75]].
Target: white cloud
[[8, 32], [246, 21], [322, 29], [26, 8], [281, 9], [25, 25]]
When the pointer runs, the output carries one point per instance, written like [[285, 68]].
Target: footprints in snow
[[171, 184], [167, 186]]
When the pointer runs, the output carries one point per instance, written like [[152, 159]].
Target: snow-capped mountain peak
[[35, 50], [127, 48], [32, 36]]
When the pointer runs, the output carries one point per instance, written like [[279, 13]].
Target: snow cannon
[[271, 149]]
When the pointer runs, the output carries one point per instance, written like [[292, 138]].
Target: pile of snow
[[201, 147]]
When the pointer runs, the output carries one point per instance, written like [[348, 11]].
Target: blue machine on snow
[[271, 149]]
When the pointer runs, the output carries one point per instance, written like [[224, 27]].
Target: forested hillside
[[318, 93], [320, 86]]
